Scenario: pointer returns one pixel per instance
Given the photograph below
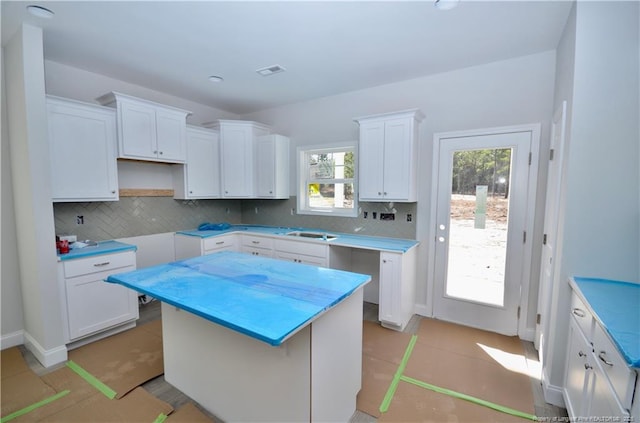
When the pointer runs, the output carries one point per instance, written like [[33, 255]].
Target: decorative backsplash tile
[[136, 216]]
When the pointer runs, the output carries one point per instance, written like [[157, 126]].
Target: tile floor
[[164, 391]]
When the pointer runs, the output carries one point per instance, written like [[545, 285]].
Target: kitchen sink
[[314, 235]]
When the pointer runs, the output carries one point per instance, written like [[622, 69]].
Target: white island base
[[314, 376]]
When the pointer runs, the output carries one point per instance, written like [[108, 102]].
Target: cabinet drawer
[[305, 248], [101, 263], [257, 241], [218, 243], [622, 378], [583, 317]]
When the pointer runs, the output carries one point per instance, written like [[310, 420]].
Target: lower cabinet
[[187, 246], [302, 252], [597, 382], [91, 304], [257, 245], [397, 288]]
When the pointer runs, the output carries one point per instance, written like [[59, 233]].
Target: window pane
[[330, 196]]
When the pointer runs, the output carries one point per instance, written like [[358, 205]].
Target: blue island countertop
[[616, 305], [342, 239], [264, 298], [102, 247]]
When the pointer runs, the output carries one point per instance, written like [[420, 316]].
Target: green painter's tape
[[34, 406], [161, 418], [92, 380], [469, 398], [396, 378]]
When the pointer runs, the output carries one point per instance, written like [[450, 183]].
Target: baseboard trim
[[421, 310], [12, 339], [552, 394], [46, 357]]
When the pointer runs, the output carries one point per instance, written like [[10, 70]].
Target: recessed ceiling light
[[445, 4], [215, 78], [270, 70], [39, 11]]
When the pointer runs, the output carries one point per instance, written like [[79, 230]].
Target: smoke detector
[[270, 70]]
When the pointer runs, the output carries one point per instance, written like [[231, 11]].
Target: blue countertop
[[264, 298], [616, 305], [342, 239], [102, 247]]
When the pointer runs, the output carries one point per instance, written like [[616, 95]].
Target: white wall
[[600, 220], [69, 82], [510, 92], [11, 296], [30, 168]]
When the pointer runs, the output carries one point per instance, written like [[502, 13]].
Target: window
[[326, 180]]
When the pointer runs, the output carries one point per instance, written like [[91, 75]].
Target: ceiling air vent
[[270, 70]]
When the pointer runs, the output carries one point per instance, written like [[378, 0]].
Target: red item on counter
[[63, 247]]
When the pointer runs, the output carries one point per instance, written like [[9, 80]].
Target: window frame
[[303, 174]]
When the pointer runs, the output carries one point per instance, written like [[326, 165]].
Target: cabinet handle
[[101, 264], [256, 242], [581, 354], [587, 366], [578, 312], [219, 242], [602, 358]]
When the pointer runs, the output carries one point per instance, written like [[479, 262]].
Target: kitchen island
[[258, 339]]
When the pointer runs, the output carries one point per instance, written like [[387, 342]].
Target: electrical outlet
[[365, 214], [409, 217], [79, 220], [374, 215], [387, 216]]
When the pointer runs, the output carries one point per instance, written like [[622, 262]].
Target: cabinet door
[[398, 151], [390, 286], [82, 147], [94, 305], [203, 165], [371, 160], [272, 166], [170, 133], [237, 161], [576, 374], [604, 402], [137, 131]]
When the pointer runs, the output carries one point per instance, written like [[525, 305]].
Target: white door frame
[[523, 332]]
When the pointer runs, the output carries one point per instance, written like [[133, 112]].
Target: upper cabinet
[[388, 156], [82, 148], [237, 145], [272, 166], [148, 130], [199, 177]]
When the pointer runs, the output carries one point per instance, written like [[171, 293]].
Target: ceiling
[[326, 47]]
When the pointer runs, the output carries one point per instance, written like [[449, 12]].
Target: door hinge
[[524, 237], [529, 158], [551, 154], [544, 239], [518, 312], [538, 318]]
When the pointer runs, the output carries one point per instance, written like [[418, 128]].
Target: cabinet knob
[[581, 354], [379, 193], [578, 312], [161, 153], [587, 366], [113, 191], [155, 151], [385, 193]]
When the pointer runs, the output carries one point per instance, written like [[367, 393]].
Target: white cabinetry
[[272, 166], [397, 288], [187, 246], [305, 252], [199, 177], [91, 304], [82, 148], [388, 156], [148, 130], [257, 245], [598, 383], [237, 139]]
